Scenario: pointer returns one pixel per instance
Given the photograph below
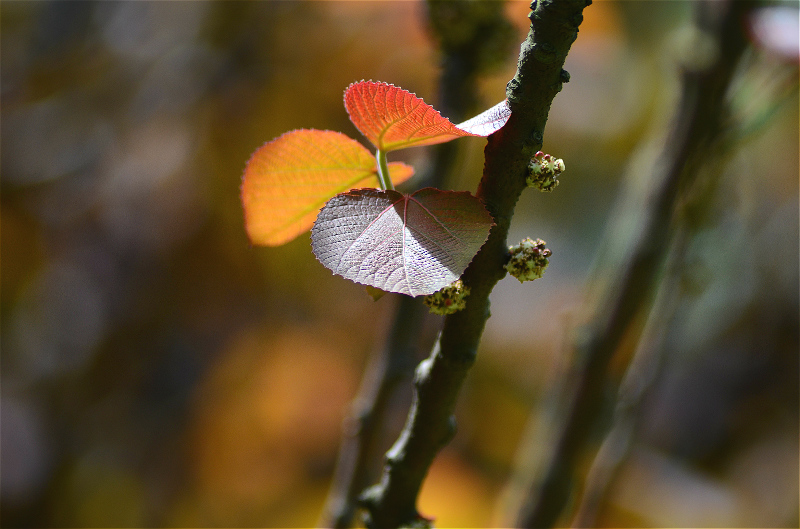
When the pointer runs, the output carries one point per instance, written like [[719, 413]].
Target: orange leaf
[[393, 118], [290, 178]]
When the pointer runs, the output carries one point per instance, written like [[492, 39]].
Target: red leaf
[[393, 118], [411, 244], [289, 179]]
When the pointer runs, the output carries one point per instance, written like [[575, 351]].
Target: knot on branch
[[533, 142], [544, 52], [576, 19]]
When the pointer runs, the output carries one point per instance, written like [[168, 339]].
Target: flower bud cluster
[[448, 300], [543, 171], [529, 259]]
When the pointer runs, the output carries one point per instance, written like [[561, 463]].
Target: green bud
[[543, 171], [528, 260], [448, 300]]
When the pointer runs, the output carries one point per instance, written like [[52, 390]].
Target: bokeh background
[[158, 370]]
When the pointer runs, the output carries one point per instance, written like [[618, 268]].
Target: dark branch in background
[[580, 403], [431, 423], [390, 366], [637, 384], [645, 368], [474, 37]]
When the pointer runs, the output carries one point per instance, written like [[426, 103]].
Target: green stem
[[383, 171]]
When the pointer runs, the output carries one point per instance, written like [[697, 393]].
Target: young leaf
[[289, 179], [488, 121], [393, 118], [411, 244]]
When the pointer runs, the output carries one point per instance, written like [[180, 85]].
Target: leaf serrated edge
[[500, 110], [356, 191], [492, 223], [420, 99]]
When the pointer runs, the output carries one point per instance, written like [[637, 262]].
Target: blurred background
[[158, 370]]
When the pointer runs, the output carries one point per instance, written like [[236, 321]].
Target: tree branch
[[579, 405], [431, 423], [463, 30], [637, 384], [390, 366]]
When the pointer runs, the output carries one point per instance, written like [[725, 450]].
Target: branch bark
[[363, 429], [431, 423], [463, 30]]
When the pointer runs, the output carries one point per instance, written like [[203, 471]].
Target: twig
[[701, 115], [431, 423], [389, 367], [637, 384], [358, 463]]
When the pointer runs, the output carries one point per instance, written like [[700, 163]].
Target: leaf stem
[[383, 171]]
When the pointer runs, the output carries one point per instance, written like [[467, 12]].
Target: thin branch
[[578, 407], [637, 384], [431, 423], [389, 368], [358, 463]]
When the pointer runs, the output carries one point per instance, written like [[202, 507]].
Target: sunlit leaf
[[411, 244], [392, 118], [289, 179], [488, 121]]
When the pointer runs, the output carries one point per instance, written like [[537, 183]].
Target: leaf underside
[[410, 244], [289, 179], [488, 121]]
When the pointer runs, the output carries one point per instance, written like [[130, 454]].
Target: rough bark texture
[[431, 423]]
